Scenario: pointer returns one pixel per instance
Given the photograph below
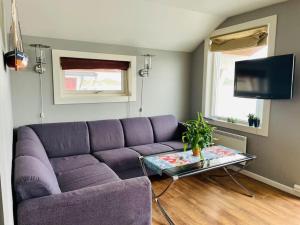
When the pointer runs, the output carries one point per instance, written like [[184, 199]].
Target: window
[[81, 77], [223, 101], [95, 81], [251, 40]]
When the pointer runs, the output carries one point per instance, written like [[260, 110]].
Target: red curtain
[[68, 63]]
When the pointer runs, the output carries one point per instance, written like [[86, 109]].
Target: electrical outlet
[[42, 115]]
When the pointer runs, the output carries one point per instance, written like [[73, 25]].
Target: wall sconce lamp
[[145, 73], [147, 65], [40, 57]]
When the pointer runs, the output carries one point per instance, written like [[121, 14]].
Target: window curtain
[[239, 40], [68, 63]]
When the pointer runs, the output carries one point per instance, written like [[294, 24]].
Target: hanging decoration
[[15, 58]]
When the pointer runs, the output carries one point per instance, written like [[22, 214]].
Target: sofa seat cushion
[[151, 149], [119, 159], [176, 145], [88, 176], [63, 164]]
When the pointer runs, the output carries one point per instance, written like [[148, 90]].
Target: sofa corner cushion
[[106, 134], [151, 149], [64, 139], [165, 128], [87, 176], [119, 159], [32, 179], [137, 131], [68, 163]]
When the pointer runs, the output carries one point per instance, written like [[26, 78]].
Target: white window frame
[[271, 22], [66, 97]]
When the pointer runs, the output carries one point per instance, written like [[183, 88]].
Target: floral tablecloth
[[158, 163]]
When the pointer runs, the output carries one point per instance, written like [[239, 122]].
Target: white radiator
[[230, 140]]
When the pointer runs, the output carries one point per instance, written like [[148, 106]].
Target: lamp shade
[[16, 59]]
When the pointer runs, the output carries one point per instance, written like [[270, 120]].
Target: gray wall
[[278, 154], [196, 80], [166, 90]]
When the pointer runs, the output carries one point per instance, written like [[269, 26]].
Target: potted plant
[[231, 120], [256, 121], [198, 135], [251, 119]]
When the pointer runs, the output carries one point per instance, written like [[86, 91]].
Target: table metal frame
[[174, 178]]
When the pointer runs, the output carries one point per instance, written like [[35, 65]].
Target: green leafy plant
[[198, 134], [251, 116], [231, 120]]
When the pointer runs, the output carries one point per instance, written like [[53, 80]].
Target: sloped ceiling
[[178, 25]]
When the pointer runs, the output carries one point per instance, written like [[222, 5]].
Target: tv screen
[[268, 78]]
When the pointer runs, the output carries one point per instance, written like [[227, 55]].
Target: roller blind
[[68, 63], [239, 40]]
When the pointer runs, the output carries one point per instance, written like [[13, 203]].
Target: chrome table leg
[[246, 190], [164, 212], [157, 196]]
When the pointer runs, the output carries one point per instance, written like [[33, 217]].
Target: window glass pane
[[93, 80], [225, 105]]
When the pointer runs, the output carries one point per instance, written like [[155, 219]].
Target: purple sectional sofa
[[88, 173]]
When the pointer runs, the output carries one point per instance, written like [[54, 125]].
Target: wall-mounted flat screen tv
[[267, 78]]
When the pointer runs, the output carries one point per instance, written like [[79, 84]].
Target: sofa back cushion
[[63, 139], [30, 148], [26, 133], [165, 128], [29, 144], [106, 135], [137, 131], [32, 179]]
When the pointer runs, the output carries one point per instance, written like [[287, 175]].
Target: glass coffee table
[[179, 164]]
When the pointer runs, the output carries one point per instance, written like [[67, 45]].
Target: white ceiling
[[178, 25]]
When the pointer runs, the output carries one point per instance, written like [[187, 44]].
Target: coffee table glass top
[[184, 163]]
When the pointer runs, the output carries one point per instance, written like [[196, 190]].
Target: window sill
[[262, 131], [81, 99]]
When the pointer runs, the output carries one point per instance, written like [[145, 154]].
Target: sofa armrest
[[126, 202]]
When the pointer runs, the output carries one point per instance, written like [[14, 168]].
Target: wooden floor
[[196, 201]]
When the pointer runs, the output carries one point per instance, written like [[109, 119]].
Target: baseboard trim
[[270, 182]]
